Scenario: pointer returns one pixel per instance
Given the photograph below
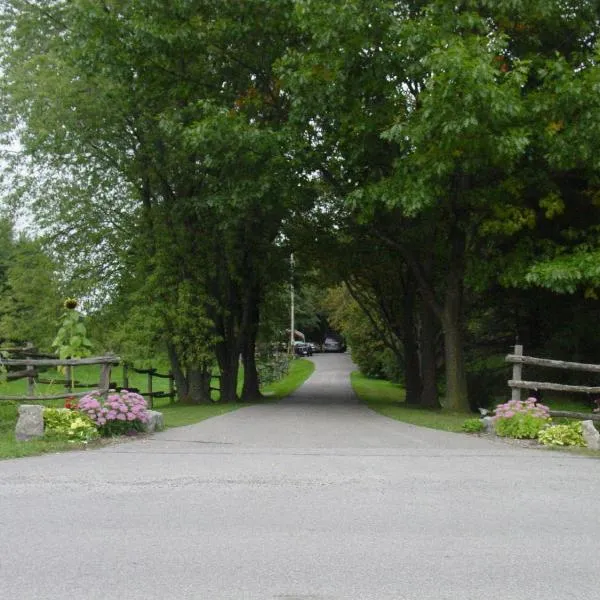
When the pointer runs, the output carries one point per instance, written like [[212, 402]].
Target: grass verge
[[175, 415], [300, 370], [387, 399]]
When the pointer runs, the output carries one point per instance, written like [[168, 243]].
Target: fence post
[[30, 381], [150, 396], [517, 373], [69, 377], [125, 376], [104, 383]]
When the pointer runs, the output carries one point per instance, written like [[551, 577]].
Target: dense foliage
[[521, 419], [65, 424], [438, 159], [562, 435], [115, 414]]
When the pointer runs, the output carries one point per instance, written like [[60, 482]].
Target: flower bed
[[119, 413]]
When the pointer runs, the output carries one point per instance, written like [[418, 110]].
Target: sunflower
[[70, 303]]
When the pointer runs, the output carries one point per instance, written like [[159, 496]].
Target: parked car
[[302, 349], [333, 345], [314, 347]]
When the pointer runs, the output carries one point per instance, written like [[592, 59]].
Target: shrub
[[518, 419], [570, 434], [68, 425], [472, 426], [121, 412]]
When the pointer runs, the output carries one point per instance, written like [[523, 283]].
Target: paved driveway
[[313, 498]]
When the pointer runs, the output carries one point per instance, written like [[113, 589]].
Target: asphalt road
[[314, 498]]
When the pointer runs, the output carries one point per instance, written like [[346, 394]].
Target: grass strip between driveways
[[387, 399], [175, 415]]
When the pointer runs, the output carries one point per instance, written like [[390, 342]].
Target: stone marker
[[31, 422], [155, 422], [488, 424], [590, 435]]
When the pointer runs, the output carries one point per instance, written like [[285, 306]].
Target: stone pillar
[[31, 422]]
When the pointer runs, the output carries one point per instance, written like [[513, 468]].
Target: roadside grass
[[387, 399], [300, 370], [175, 414]]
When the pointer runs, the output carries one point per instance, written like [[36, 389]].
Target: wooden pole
[[125, 376], [30, 382], [69, 378], [517, 373], [104, 383], [150, 400]]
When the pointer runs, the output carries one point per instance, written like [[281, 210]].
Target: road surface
[[314, 498]]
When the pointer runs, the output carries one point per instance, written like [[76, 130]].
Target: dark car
[[302, 349], [333, 345]]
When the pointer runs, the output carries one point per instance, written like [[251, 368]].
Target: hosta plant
[[472, 426], [65, 424], [521, 419], [570, 434], [119, 413]]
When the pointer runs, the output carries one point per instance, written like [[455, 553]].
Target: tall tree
[[179, 100]]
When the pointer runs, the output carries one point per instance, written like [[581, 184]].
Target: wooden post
[[171, 387], [69, 377], [104, 383], [517, 373], [30, 381], [125, 376], [150, 397]]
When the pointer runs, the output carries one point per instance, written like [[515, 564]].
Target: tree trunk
[[199, 384], [251, 388], [456, 373], [427, 345], [178, 374], [412, 373], [228, 359], [228, 385]]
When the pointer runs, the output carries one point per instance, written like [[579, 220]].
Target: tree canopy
[[426, 154]]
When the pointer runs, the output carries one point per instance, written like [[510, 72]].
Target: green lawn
[[175, 414], [388, 399], [89, 374]]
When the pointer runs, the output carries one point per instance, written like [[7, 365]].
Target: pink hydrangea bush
[[120, 412], [521, 419]]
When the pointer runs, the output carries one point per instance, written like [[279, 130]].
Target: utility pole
[[292, 324]]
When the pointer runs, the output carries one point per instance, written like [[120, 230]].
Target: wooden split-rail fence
[[517, 383], [33, 364]]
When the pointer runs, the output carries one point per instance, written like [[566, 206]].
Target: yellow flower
[[70, 303]]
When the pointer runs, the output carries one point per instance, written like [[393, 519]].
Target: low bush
[[518, 419], [65, 424], [120, 413], [570, 434], [472, 426]]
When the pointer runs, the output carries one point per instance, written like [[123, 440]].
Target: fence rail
[[105, 362], [518, 359], [35, 365]]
